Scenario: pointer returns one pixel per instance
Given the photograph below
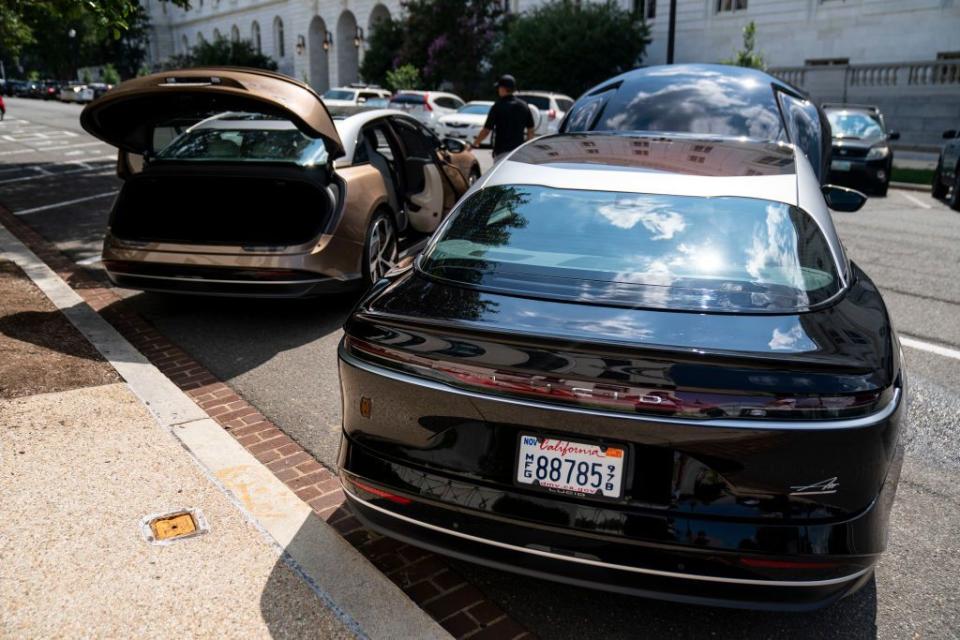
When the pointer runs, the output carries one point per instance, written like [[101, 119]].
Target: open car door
[[135, 116], [424, 197]]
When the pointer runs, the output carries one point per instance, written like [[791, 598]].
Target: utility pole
[[671, 30]]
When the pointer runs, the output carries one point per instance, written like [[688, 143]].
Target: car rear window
[[540, 102], [724, 254], [407, 98], [339, 94]]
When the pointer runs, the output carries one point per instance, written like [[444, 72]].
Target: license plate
[[571, 467], [840, 165]]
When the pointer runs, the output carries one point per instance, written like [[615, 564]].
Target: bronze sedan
[[239, 182]]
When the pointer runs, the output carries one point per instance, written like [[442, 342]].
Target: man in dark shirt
[[509, 119]]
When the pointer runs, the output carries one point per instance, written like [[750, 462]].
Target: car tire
[[882, 188], [954, 200], [938, 190], [380, 251]]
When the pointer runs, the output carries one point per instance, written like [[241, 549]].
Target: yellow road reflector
[[172, 527], [164, 528]]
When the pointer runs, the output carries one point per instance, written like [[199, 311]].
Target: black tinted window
[[669, 99], [678, 252], [804, 123], [540, 102]]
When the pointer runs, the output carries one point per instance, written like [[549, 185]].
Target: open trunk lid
[[126, 116]]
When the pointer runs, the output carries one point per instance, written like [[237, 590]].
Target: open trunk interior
[[221, 209]]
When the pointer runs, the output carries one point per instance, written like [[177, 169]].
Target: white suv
[[552, 107], [350, 100], [427, 106]]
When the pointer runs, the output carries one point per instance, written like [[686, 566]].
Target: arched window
[[217, 36], [278, 37], [185, 43], [200, 39], [255, 37], [235, 33]]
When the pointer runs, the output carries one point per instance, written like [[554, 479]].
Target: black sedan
[[862, 157], [637, 363], [946, 178], [706, 99]]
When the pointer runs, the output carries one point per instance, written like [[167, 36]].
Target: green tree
[[405, 76], [223, 53], [110, 74], [382, 54], [747, 57], [568, 46], [451, 41]]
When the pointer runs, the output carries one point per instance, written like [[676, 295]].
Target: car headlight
[[878, 153]]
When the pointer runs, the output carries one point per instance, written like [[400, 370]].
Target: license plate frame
[[622, 471], [841, 165]]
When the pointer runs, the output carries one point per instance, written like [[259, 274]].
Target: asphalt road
[[281, 357]]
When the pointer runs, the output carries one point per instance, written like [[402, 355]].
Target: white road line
[[929, 347], [916, 201], [363, 598], [69, 146], [65, 203], [62, 173]]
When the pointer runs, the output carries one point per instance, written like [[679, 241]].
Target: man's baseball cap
[[506, 81]]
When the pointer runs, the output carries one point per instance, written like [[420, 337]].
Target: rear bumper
[[693, 576], [187, 283]]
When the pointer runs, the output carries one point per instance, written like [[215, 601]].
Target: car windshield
[[339, 94], [245, 138], [725, 254], [854, 124], [477, 109], [540, 102]]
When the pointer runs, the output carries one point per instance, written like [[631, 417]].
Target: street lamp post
[[72, 34]]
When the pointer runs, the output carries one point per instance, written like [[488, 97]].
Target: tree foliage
[[223, 53], [405, 76], [382, 54], [747, 57], [569, 47]]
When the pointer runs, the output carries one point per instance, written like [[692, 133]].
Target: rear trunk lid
[[126, 116]]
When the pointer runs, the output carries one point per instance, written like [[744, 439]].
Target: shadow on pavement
[[231, 336], [561, 612]]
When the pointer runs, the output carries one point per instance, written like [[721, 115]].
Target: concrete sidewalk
[[82, 463]]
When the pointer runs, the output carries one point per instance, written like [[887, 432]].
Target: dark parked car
[[26, 89], [641, 363], [946, 179], [13, 87], [50, 90], [862, 157], [707, 99]]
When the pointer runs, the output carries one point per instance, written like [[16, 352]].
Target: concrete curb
[[366, 600]]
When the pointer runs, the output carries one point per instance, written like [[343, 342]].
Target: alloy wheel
[[382, 248]]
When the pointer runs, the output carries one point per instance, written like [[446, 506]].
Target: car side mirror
[[842, 198], [893, 135], [949, 134], [361, 100], [453, 145]]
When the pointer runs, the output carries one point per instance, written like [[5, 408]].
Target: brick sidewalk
[[457, 605]]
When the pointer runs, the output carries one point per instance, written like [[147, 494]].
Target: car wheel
[[882, 188], [474, 175], [381, 251], [954, 200], [938, 190]]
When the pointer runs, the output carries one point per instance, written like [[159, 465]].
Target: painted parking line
[[65, 203], [929, 347], [102, 169], [45, 149], [916, 201]]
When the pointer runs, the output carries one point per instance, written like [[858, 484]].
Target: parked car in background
[[552, 108], [862, 157], [12, 88], [76, 93], [427, 106], [99, 88], [708, 99], [50, 90], [466, 123], [238, 182], [27, 89], [946, 177], [349, 100], [640, 363]]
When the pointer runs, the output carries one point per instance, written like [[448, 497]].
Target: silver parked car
[[551, 106], [427, 106]]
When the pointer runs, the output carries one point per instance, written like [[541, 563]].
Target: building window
[[948, 55], [645, 8], [185, 43], [255, 36], [729, 6], [235, 33], [278, 37], [217, 36]]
